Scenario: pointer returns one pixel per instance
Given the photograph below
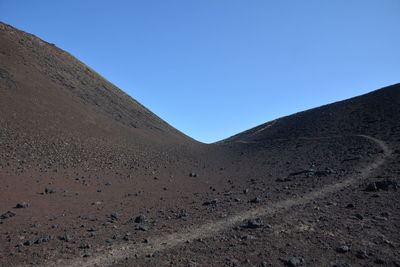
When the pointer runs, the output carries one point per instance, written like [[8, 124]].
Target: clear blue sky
[[213, 68]]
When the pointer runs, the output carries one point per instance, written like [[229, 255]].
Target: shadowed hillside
[[376, 113]]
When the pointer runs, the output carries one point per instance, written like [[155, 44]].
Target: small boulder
[[359, 216], [254, 223], [294, 261], [22, 205], [182, 214], [143, 227], [255, 200], [42, 239], [49, 191], [371, 187], [343, 249], [66, 238], [140, 219], [387, 184], [325, 172], [28, 243], [362, 254], [84, 246], [127, 236], [114, 216], [8, 214], [210, 202], [382, 185]]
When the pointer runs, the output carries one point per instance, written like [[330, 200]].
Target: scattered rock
[[126, 236], [182, 214], [92, 229], [210, 202], [379, 218], [84, 246], [294, 261], [49, 191], [284, 179], [22, 205], [362, 254], [227, 193], [382, 185], [343, 249], [43, 239], [143, 227], [28, 243], [254, 223], [325, 172], [359, 216], [193, 174], [255, 200], [140, 219], [8, 214], [66, 238], [114, 216], [371, 187]]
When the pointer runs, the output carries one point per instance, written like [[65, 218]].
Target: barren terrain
[[90, 177]]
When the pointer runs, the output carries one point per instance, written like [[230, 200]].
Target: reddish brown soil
[[65, 128]]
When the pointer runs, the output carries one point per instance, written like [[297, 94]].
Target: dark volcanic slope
[[80, 161], [55, 112], [376, 113], [58, 94]]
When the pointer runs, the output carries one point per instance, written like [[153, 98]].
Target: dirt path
[[214, 227]]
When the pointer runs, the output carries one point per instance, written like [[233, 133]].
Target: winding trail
[[212, 228]]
